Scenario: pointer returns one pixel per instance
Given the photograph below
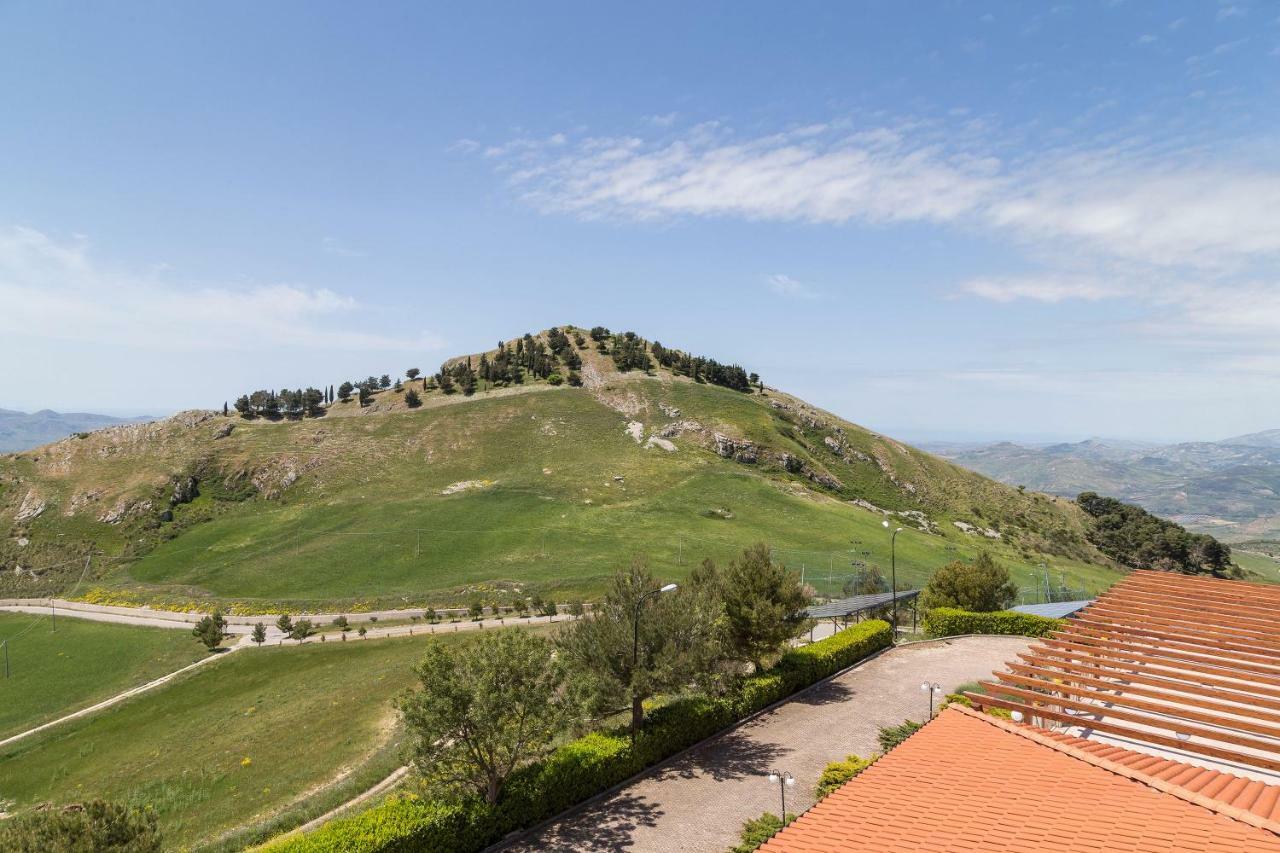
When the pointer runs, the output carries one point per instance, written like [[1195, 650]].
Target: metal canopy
[[1179, 665], [1054, 610], [857, 604]]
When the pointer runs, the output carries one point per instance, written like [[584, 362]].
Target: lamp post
[[635, 630], [934, 689], [893, 568], [784, 780]]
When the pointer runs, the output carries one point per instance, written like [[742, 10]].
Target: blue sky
[[950, 220]]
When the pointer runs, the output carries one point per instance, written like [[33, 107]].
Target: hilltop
[[584, 450]]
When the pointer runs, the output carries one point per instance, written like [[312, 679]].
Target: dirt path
[[698, 802]]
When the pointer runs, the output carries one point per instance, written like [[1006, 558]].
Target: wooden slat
[[1186, 680], [1216, 589], [1132, 717], [1050, 670], [1164, 667], [1132, 734], [1193, 619], [1132, 674], [1180, 625], [1172, 636], [1190, 661], [1259, 612], [1116, 695], [1245, 662]]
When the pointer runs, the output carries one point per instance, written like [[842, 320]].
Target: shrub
[[94, 826], [837, 773], [891, 736], [948, 622], [759, 830], [584, 767]]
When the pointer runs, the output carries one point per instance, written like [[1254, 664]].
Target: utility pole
[[417, 548]]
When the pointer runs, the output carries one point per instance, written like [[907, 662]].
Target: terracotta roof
[[1172, 663], [970, 782]]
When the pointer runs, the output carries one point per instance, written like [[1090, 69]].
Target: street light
[[783, 780], [934, 689], [635, 630], [893, 567]]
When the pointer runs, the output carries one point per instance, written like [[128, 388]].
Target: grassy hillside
[[55, 672], [232, 745], [515, 489]]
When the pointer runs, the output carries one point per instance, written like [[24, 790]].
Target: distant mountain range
[[22, 431], [1230, 488]]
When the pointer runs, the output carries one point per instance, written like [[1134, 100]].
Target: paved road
[[699, 802]]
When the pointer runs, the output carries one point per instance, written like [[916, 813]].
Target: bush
[[891, 736], [758, 831], [583, 768], [837, 773], [948, 622], [88, 828]]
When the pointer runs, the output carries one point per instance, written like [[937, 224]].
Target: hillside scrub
[[584, 767], [1134, 537]]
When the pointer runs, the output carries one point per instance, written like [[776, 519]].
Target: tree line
[[506, 697], [1134, 537], [556, 361]]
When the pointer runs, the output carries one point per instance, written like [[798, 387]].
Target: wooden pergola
[[1182, 663]]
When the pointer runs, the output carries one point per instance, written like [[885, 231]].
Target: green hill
[[519, 488]]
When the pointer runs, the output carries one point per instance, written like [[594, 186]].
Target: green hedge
[[948, 622], [584, 767]]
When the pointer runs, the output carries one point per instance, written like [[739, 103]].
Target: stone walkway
[[699, 802]]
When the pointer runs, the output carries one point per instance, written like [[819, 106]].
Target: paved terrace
[[699, 802]]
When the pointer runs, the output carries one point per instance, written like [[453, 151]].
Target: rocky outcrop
[[972, 529], [223, 431], [80, 500], [737, 449], [672, 430], [31, 507], [669, 411], [793, 464], [185, 490], [124, 508], [655, 441], [635, 429]]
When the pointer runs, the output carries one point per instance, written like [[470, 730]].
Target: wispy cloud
[[785, 285], [1164, 207], [333, 246], [810, 174], [53, 289], [1050, 289]]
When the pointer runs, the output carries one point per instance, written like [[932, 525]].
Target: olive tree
[[485, 709]]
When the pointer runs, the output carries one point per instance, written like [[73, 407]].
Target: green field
[[231, 745], [1265, 566], [55, 672]]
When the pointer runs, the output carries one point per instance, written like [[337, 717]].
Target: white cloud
[[1048, 289], [785, 285], [811, 174], [1163, 207], [53, 290], [1192, 213]]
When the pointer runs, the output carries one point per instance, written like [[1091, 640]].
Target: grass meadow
[[234, 745], [61, 665]]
